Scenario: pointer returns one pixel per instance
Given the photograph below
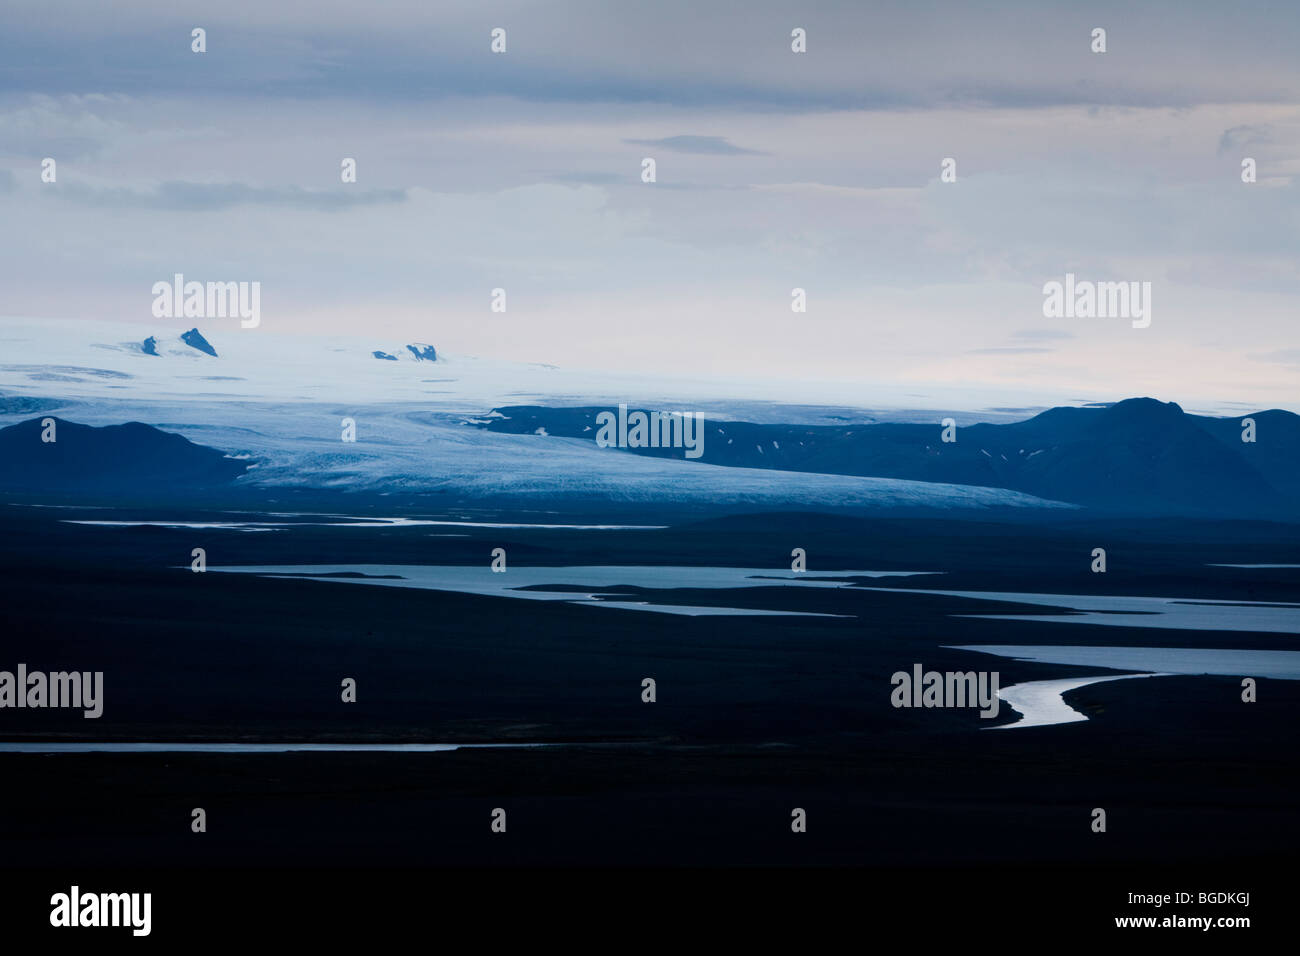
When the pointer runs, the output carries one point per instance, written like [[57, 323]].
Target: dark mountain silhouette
[[195, 339], [116, 459], [1137, 456], [422, 352], [384, 355], [1275, 452], [149, 346]]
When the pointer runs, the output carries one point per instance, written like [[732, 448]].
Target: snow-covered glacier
[[281, 402]]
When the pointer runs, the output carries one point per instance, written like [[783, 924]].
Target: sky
[[775, 170]]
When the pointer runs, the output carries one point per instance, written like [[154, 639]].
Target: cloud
[[1042, 335], [590, 178], [845, 192], [820, 171], [703, 145], [1239, 136], [1283, 356], [1009, 350], [177, 194], [681, 52]]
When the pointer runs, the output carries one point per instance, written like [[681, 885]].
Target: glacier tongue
[[281, 400]]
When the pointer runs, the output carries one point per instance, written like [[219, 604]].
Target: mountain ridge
[[1135, 455], [132, 457]]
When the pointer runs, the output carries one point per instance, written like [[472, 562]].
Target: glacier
[[281, 401]]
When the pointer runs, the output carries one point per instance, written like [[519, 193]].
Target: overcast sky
[[775, 170]]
